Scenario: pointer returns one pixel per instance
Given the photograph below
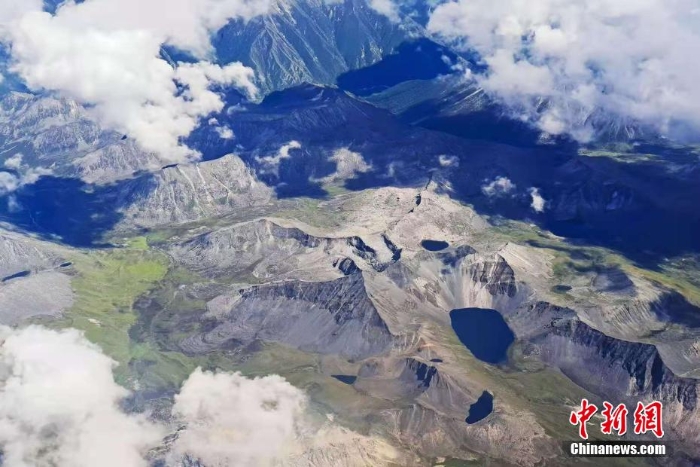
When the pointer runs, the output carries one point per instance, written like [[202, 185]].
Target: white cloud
[[32, 174], [233, 420], [271, 164], [22, 175], [106, 54], [348, 165], [584, 59], [387, 8], [12, 10], [59, 404], [537, 201], [14, 162], [186, 24], [224, 132], [448, 161], [394, 168], [13, 205], [499, 186], [60, 407], [8, 183]]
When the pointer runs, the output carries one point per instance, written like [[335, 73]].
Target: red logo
[[615, 419], [582, 416], [647, 418]]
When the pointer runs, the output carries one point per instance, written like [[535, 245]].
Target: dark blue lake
[[484, 332], [347, 379], [16, 275], [480, 409], [434, 245]]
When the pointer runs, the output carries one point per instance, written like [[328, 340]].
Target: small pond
[[16, 275], [480, 409], [434, 245], [347, 379]]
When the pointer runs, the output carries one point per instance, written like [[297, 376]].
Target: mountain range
[[333, 227]]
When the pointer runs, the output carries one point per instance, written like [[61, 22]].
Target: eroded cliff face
[[619, 370], [459, 278], [270, 251], [180, 194], [495, 275], [263, 247], [612, 368], [401, 378], [335, 317]]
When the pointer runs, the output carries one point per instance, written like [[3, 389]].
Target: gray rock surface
[[33, 282], [186, 193], [44, 294], [622, 370], [334, 317], [270, 251], [19, 253]]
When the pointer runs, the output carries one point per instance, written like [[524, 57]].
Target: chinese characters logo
[[647, 418]]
